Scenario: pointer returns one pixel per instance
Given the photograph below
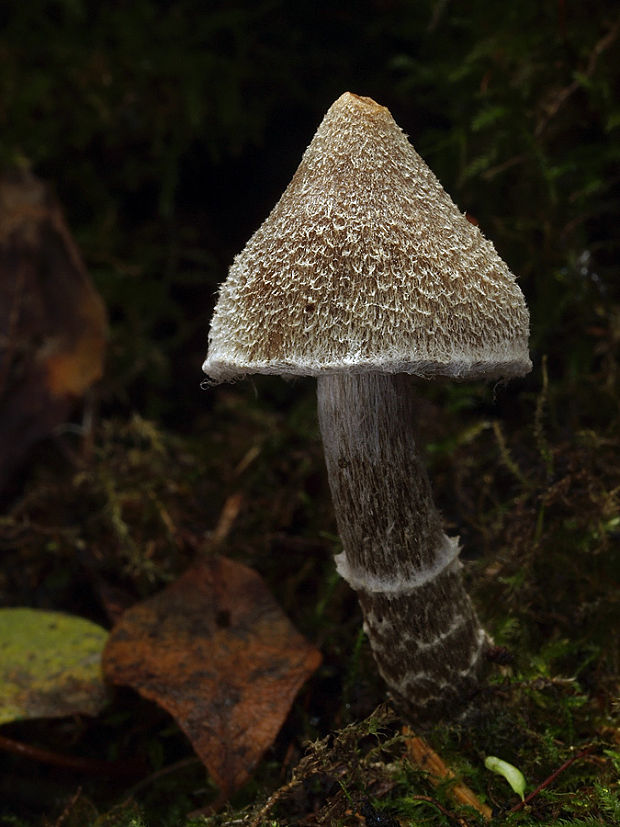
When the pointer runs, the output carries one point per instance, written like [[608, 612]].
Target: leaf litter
[[50, 665], [216, 651]]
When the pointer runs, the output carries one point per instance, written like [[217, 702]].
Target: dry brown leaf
[[52, 321], [216, 651]]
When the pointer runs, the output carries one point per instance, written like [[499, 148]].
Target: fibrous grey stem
[[423, 630]]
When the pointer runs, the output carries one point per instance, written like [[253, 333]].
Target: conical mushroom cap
[[366, 264]]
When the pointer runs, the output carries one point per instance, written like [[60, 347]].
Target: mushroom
[[365, 274]]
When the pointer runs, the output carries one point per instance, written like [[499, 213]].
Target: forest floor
[[108, 516]]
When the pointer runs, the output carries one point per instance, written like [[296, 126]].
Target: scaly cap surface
[[366, 264]]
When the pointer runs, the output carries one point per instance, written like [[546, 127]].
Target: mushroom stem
[[423, 630]]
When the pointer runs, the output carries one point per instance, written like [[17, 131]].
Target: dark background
[[169, 130]]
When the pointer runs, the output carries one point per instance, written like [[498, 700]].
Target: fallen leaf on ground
[[53, 324], [216, 651], [50, 665]]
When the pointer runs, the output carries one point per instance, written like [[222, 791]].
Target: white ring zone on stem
[[397, 586]]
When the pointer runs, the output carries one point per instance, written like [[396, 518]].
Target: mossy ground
[[538, 515]]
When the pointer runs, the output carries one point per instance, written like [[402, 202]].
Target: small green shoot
[[512, 775]]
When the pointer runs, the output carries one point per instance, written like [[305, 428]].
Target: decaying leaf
[[52, 321], [217, 652], [50, 665]]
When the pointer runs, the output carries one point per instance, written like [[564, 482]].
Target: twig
[[551, 778], [70, 805], [155, 776], [460, 821], [273, 799], [226, 520], [426, 758], [564, 94], [490, 173], [71, 762]]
